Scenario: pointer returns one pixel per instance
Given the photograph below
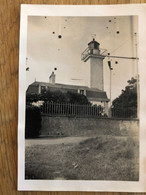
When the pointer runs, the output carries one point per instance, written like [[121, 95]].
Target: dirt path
[[52, 141]]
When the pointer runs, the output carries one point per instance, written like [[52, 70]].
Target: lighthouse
[[96, 56]]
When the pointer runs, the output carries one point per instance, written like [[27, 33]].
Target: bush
[[32, 122], [57, 97], [126, 104]]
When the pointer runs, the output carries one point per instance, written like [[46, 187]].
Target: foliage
[[33, 122], [126, 103], [58, 97], [75, 98]]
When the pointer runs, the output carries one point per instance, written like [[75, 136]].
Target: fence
[[63, 109], [72, 110], [90, 51]]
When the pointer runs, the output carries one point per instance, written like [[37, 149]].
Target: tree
[[58, 97], [127, 101], [75, 98]]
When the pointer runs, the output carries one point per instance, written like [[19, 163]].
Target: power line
[[122, 44], [130, 58]]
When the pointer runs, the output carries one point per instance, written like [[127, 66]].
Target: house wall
[[86, 126]]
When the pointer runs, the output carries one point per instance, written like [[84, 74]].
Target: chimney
[[52, 78]]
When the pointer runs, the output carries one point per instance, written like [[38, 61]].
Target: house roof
[[93, 94], [93, 41], [60, 85]]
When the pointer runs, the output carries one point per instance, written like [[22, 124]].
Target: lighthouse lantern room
[[96, 56]]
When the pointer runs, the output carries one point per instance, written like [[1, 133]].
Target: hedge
[[32, 122]]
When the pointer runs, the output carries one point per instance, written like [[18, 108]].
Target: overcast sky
[[45, 51]]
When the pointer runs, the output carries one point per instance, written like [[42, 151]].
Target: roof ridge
[[68, 85]]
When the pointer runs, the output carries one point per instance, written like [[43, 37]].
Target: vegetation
[[126, 103], [69, 101], [100, 158], [33, 122], [58, 97]]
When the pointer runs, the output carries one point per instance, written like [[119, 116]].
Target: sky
[[45, 51]]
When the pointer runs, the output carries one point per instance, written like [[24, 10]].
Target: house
[[95, 96], [95, 92]]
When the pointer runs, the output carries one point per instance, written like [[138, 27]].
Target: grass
[[100, 158]]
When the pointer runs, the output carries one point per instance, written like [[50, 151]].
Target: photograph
[[82, 98]]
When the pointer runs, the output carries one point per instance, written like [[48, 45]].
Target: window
[[82, 92], [43, 88]]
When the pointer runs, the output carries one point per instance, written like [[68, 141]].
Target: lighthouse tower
[[96, 56]]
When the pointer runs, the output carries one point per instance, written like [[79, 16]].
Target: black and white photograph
[[82, 98]]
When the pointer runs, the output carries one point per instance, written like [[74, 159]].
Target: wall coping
[[94, 117]]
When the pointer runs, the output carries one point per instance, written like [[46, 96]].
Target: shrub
[[32, 122], [58, 97], [126, 104]]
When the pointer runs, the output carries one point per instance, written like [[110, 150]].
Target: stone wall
[[87, 126]]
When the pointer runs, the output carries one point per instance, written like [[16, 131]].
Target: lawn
[[99, 158]]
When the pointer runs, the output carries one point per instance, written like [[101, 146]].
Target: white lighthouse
[[96, 56]]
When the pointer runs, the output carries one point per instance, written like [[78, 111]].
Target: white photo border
[[81, 10]]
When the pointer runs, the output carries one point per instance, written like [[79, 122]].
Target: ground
[[83, 158]]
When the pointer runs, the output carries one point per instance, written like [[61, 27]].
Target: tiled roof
[[66, 86], [96, 95], [32, 89]]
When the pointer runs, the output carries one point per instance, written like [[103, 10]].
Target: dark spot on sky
[[116, 62], [59, 36], [118, 32], [53, 32], [55, 68]]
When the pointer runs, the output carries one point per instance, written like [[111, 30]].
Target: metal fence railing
[[90, 51], [72, 110], [67, 109]]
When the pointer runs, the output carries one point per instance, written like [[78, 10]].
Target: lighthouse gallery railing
[[89, 51]]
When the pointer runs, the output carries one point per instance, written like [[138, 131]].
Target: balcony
[[88, 52]]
